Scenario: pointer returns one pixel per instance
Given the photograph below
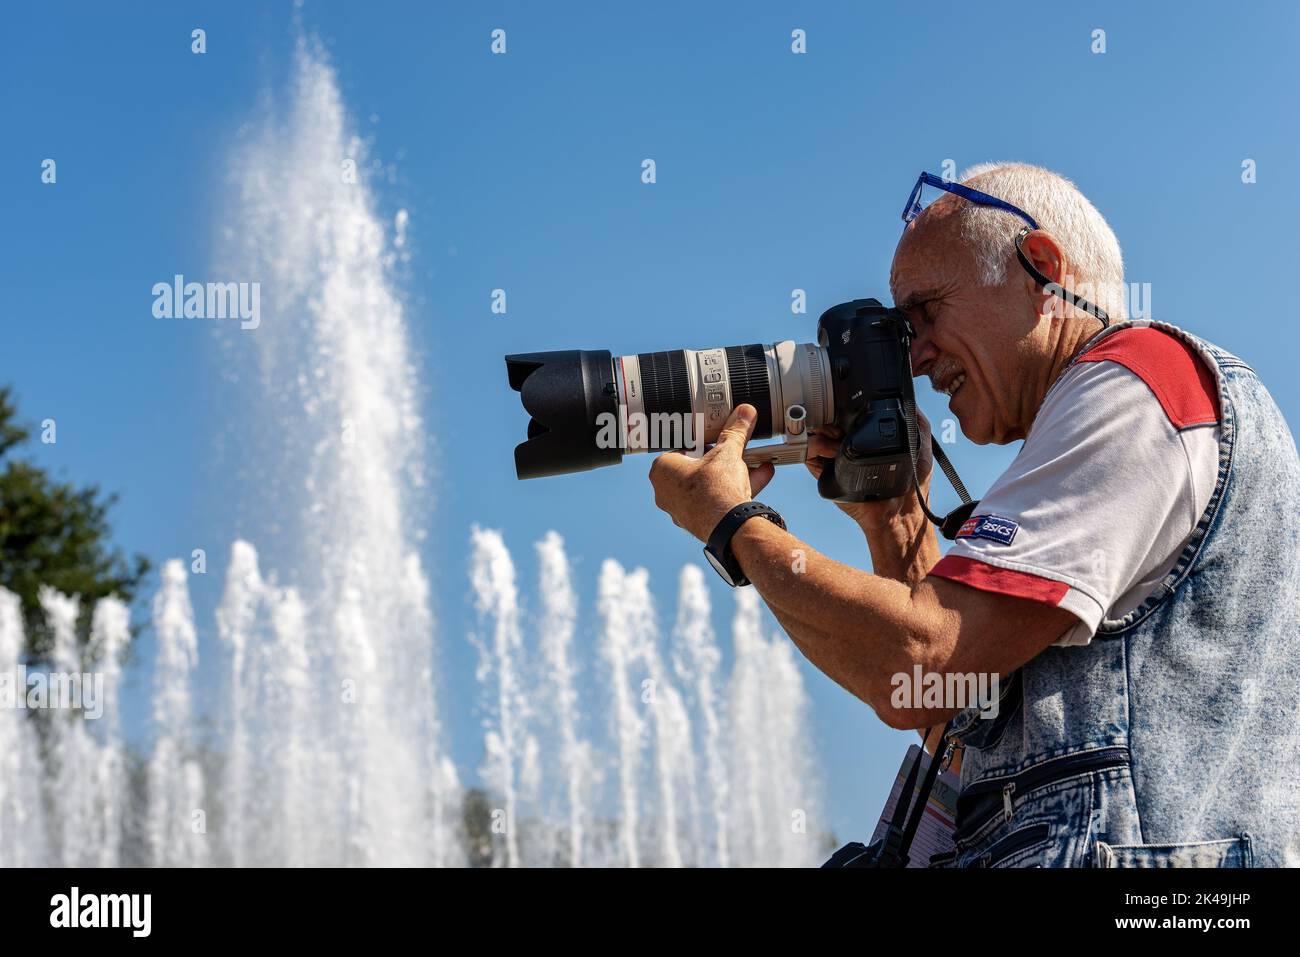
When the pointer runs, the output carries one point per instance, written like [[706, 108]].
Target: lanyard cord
[[894, 846], [1055, 288], [923, 798]]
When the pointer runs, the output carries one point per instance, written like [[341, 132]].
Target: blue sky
[[522, 171]]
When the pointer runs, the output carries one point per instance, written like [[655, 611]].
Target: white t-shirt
[[1108, 487]]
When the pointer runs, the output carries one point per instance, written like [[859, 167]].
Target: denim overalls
[[1171, 739]]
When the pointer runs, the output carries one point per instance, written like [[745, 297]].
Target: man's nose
[[923, 351]]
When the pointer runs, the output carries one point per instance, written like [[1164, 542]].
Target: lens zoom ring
[[665, 387], [747, 369], [817, 404]]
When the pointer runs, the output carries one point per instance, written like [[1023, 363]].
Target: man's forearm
[[904, 545], [859, 629], [904, 548]]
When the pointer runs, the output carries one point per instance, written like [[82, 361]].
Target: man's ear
[[1041, 249]]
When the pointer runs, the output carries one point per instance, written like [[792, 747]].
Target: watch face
[[719, 568]]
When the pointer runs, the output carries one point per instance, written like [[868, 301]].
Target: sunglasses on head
[[914, 209]]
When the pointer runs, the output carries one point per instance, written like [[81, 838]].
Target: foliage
[[55, 533]]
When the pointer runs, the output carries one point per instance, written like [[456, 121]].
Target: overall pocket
[[1017, 847], [984, 734], [1039, 816], [1228, 852]]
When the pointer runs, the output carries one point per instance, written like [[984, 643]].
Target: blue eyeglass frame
[[914, 209]]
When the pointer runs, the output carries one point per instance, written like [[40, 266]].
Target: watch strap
[[719, 544]]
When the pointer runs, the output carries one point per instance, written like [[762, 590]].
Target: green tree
[[55, 533]]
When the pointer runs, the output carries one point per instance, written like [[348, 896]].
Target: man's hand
[[698, 492], [824, 442]]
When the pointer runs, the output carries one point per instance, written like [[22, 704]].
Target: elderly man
[[1132, 577]]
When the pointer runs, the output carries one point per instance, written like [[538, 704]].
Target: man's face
[[974, 342]]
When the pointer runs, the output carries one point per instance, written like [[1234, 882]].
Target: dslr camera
[[590, 408]]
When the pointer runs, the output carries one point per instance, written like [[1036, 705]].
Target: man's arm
[[860, 629]]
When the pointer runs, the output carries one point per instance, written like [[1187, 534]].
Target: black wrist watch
[[718, 550]]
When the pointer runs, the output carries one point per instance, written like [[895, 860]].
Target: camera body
[[867, 345], [589, 408]]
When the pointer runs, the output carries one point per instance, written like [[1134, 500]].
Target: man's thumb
[[739, 427]]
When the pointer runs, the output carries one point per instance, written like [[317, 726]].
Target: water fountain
[[702, 776], [323, 744], [22, 822], [570, 755]]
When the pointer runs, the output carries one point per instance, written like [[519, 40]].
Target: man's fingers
[[824, 441], [822, 446], [671, 461], [736, 432], [664, 471], [668, 463], [760, 476]]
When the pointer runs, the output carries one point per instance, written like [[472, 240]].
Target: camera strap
[[950, 524]]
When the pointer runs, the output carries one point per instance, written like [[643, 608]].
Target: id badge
[[934, 833]]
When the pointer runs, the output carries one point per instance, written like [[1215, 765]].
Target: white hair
[[1095, 262]]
